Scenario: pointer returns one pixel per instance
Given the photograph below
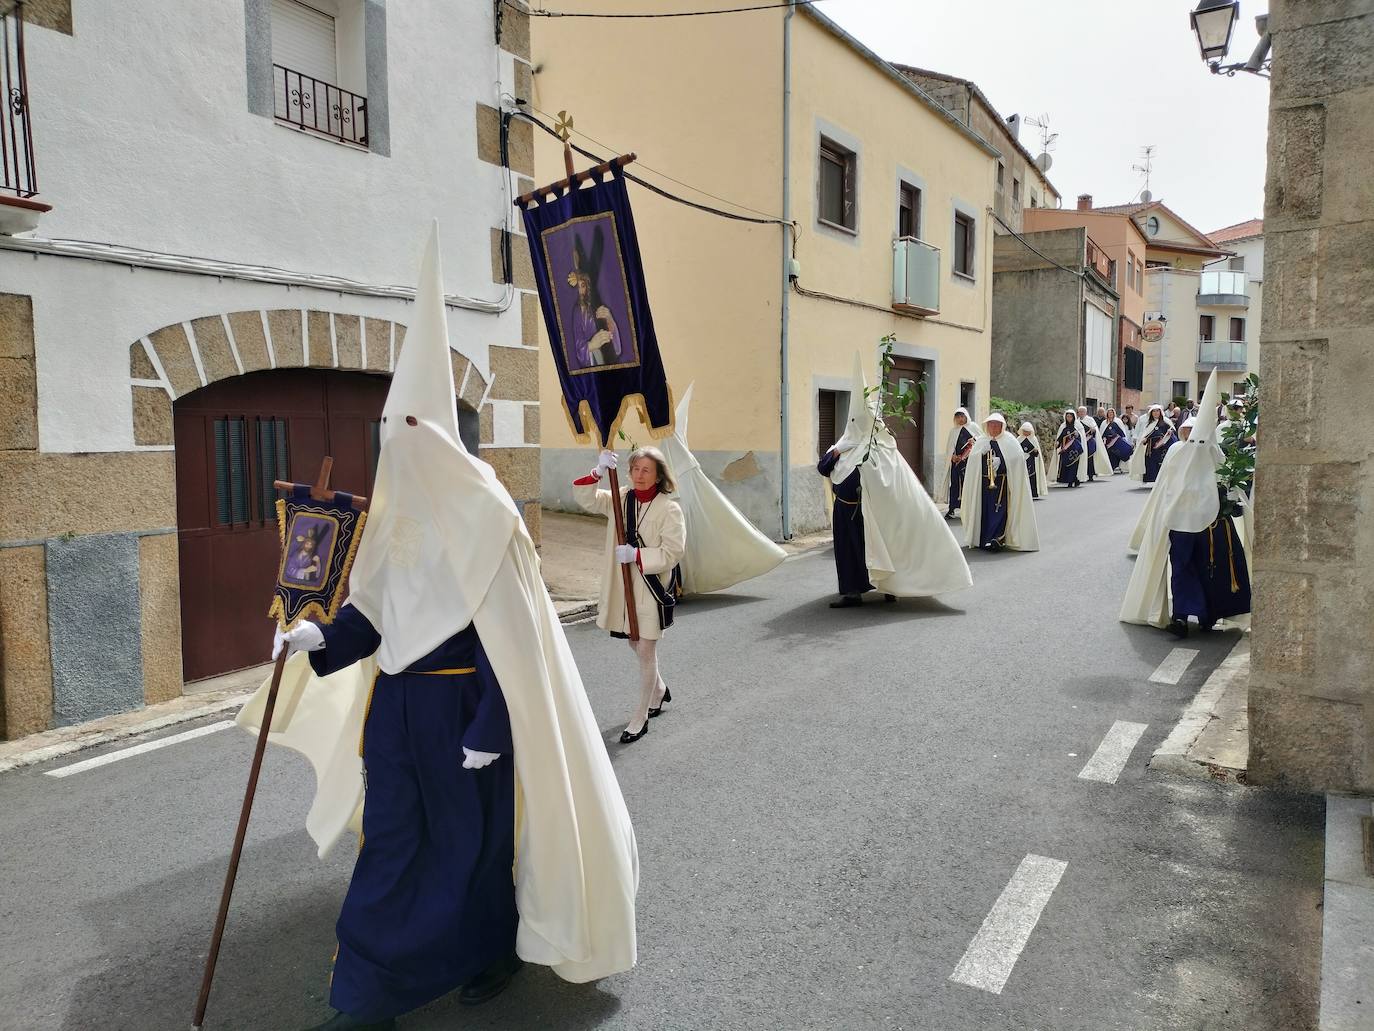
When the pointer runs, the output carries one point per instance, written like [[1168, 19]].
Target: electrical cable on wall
[[534, 13]]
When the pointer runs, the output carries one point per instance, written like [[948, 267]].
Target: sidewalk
[[1212, 741], [571, 555]]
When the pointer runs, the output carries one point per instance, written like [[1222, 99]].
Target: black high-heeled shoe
[[626, 738], [658, 709]]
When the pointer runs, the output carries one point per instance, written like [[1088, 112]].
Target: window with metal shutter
[[825, 434], [303, 40]]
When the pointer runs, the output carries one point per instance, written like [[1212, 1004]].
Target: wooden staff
[[319, 491]]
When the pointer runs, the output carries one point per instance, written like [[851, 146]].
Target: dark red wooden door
[[233, 438], [906, 373]]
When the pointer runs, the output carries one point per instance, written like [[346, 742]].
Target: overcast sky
[[1112, 76]]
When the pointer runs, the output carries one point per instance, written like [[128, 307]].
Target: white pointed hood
[[1189, 490], [858, 432], [417, 577]]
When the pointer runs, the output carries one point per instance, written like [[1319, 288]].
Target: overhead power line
[[660, 190], [534, 13]]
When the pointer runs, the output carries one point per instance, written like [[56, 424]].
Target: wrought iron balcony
[[19, 210], [915, 276], [304, 102], [1226, 355], [1223, 290]]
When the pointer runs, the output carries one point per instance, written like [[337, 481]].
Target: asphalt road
[[826, 814]]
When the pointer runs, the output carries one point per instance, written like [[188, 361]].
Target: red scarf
[[645, 496]]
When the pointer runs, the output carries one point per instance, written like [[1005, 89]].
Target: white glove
[[306, 637], [996, 463], [626, 553], [605, 460], [476, 760]]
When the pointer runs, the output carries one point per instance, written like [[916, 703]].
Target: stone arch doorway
[[233, 438]]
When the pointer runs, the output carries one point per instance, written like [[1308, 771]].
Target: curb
[[54, 744], [1172, 755], [1347, 977]]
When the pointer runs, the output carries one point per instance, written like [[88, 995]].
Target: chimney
[[1085, 202]]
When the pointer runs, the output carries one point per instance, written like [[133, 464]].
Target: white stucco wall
[[144, 139]]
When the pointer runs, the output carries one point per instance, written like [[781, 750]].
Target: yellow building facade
[[871, 207]]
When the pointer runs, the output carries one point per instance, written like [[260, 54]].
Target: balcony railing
[[321, 107], [1226, 355], [1096, 258], [17, 175], [1223, 289], [915, 276]]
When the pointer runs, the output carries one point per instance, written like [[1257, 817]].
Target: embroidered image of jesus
[[590, 295]]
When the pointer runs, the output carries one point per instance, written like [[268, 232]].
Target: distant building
[[1020, 183], [890, 195], [1054, 318]]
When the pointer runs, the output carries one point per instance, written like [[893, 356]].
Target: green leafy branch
[[895, 404], [1237, 470]]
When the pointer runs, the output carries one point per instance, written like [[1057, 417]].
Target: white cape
[[1022, 533], [1042, 482], [942, 470], [1081, 476], [576, 865], [723, 547], [909, 549], [1102, 465]]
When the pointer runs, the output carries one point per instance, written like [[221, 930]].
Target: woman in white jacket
[[656, 537]]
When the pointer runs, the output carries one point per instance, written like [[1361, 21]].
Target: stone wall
[[1312, 684]]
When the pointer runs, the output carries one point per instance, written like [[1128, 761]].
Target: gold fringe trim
[[584, 409], [314, 608]]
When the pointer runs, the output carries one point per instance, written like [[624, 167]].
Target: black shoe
[[658, 709], [1178, 627], [889, 598], [492, 982], [847, 602], [949, 516], [996, 546], [343, 1022], [626, 738]]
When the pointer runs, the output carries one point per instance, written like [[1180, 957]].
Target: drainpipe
[[784, 419]]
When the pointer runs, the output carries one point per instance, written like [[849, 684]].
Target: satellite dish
[[1146, 196], [1044, 161]]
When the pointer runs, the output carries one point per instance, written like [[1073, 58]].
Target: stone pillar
[[1312, 686]]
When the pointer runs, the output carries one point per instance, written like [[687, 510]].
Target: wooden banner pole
[[631, 614], [319, 491]]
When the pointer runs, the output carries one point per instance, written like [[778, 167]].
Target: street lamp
[[1213, 21]]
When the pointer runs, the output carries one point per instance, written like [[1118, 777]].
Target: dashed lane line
[[1175, 664], [989, 958], [147, 746], [1113, 753]]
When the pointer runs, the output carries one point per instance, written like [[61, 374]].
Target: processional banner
[[318, 542], [590, 278]]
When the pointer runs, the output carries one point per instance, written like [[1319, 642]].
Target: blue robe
[[1154, 456], [1030, 450], [1092, 450], [1208, 573], [1068, 460], [847, 518], [956, 471], [432, 900], [1118, 447], [993, 494]]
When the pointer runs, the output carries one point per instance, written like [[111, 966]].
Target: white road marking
[[147, 746], [1175, 664], [988, 960], [1112, 755]]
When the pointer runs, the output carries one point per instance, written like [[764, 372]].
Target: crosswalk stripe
[[1175, 664], [988, 960], [1113, 753]]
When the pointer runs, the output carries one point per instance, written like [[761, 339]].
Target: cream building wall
[[717, 286]]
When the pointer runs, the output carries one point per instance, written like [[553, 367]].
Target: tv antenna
[[1145, 168], [1047, 139]]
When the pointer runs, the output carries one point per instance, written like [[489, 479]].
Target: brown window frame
[[970, 238], [904, 189], [1236, 319], [1207, 327], [834, 153]]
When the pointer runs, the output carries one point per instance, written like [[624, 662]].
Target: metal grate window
[[272, 465], [231, 471], [247, 460]]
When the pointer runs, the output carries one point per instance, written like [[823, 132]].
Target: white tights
[[651, 686]]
